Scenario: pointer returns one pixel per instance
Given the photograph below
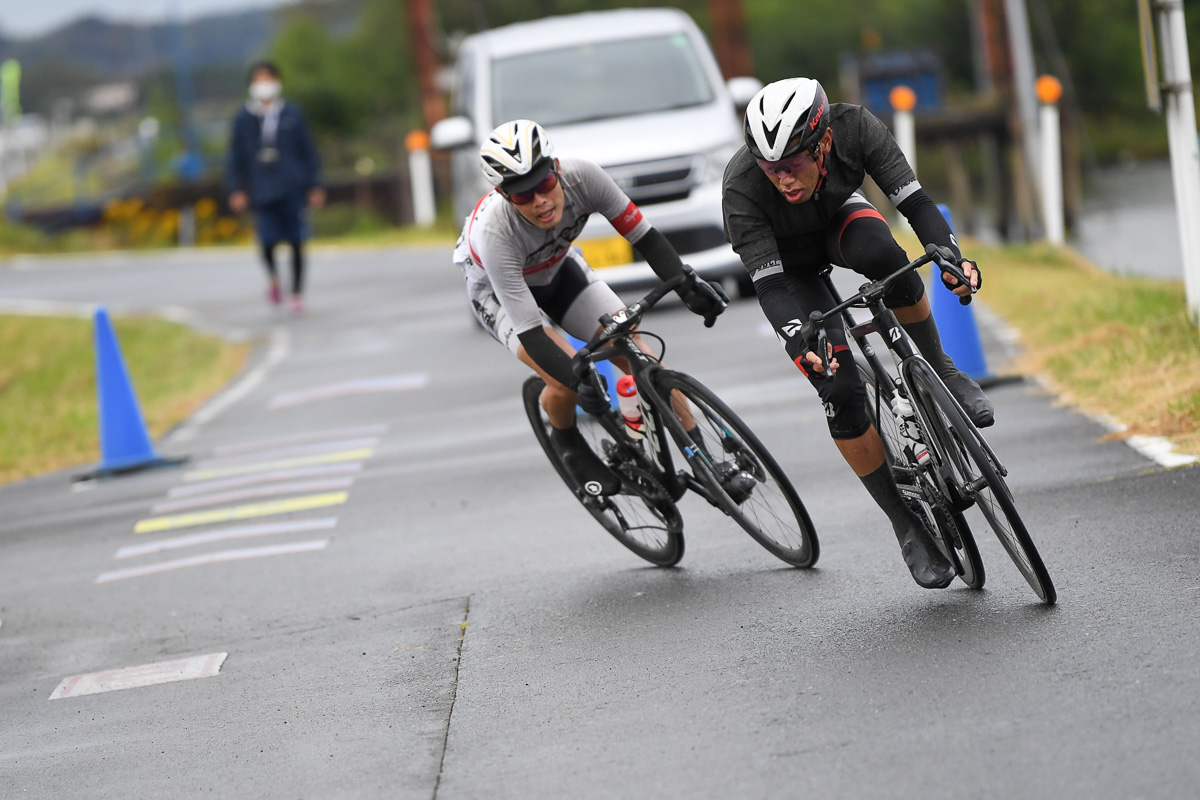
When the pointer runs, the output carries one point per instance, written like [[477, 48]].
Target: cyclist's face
[[797, 177], [545, 210]]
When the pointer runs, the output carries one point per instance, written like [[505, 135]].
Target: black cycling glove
[[592, 400], [705, 299], [978, 275]]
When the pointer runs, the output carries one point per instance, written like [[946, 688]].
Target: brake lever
[[947, 265], [816, 324]]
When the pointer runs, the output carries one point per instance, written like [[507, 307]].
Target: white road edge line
[[281, 344]]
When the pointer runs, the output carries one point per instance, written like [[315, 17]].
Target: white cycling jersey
[[505, 256]]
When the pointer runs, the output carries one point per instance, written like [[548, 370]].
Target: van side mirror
[[742, 91], [452, 133]]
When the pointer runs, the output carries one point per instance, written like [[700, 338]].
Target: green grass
[[48, 385], [1113, 345]]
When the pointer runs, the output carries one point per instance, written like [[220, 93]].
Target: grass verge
[[48, 385], [1111, 345]]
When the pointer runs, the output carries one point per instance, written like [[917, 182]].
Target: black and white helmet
[[517, 152], [786, 118]]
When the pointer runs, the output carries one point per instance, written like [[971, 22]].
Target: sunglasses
[[790, 166], [525, 198]]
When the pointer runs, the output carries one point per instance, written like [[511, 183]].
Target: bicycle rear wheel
[[975, 476], [922, 491], [742, 476], [642, 516]]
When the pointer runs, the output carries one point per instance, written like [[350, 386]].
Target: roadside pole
[[1175, 92], [1181, 135], [904, 100], [1049, 91], [420, 176]]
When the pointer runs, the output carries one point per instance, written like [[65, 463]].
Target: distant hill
[[114, 50], [93, 50]]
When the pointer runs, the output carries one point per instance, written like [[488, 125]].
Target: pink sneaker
[[297, 304], [274, 294]]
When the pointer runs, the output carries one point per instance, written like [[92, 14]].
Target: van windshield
[[600, 80]]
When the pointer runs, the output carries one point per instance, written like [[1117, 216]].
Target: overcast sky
[[22, 18]]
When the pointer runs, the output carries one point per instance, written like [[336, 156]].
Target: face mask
[[265, 91]]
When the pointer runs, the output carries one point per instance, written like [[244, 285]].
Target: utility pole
[[730, 42], [1021, 47], [421, 29]]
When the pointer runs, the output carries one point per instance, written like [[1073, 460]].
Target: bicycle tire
[[771, 512], [642, 516], [977, 478], [949, 526]]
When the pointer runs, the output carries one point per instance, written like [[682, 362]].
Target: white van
[[635, 90]]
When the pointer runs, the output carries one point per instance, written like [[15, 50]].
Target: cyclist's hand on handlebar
[[704, 299], [972, 273], [818, 366], [592, 399]]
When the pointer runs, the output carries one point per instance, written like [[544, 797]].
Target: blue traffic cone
[[605, 368], [125, 444], [956, 324]]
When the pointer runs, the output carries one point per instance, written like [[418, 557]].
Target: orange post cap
[[903, 98]]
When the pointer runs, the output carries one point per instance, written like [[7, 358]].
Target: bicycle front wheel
[[742, 476], [642, 516], [975, 476], [921, 490]]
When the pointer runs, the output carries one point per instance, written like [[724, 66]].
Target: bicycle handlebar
[[868, 293], [624, 321]]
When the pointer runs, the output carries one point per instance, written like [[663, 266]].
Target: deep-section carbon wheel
[[976, 479], [741, 475], [642, 517], [921, 488]]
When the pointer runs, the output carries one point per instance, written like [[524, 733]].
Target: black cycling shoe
[[593, 474], [736, 482], [929, 568], [971, 398]]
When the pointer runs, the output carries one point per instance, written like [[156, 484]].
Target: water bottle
[[631, 410]]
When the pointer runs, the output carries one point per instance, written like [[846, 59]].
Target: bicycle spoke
[[742, 477]]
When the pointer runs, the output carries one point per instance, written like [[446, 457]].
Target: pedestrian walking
[[274, 170]]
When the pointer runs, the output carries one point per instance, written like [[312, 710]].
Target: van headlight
[[710, 167]]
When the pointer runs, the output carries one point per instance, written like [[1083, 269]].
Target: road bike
[[726, 463], [942, 464]]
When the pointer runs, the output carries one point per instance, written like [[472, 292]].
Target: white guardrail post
[[420, 176], [904, 100], [1049, 91]]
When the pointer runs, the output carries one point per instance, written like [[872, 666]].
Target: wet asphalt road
[[467, 631]]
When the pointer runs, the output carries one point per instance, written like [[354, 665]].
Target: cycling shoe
[[593, 474], [736, 482], [971, 398], [929, 568]]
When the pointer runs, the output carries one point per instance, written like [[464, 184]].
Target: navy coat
[[293, 172]]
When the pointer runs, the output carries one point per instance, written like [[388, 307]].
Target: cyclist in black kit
[[792, 206]]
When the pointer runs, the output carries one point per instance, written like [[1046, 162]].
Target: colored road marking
[[287, 463], [295, 487], [182, 669], [214, 558], [264, 477], [297, 438], [232, 513], [288, 452], [392, 383], [225, 534]]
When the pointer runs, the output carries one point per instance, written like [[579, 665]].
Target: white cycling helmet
[[786, 118], [517, 155]]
